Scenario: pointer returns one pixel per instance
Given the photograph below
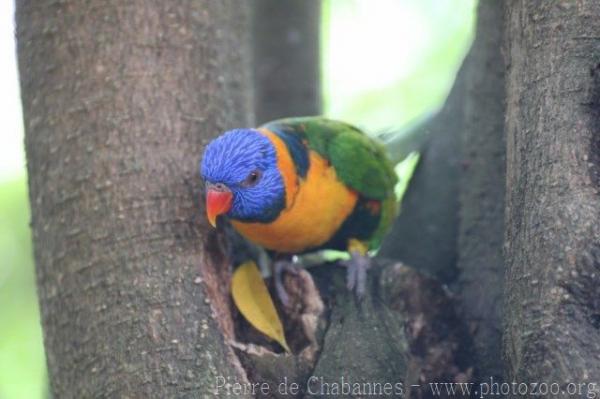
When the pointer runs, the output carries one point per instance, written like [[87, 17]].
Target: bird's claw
[[356, 276], [280, 267]]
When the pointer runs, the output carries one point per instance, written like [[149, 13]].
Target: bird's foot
[[282, 266], [358, 264], [356, 276]]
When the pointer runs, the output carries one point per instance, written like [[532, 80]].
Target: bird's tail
[[399, 143], [405, 171], [403, 147]]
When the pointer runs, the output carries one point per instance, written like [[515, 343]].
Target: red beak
[[218, 201]]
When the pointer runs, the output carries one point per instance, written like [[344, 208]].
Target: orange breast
[[316, 206]]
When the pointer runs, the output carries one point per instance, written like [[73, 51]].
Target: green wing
[[359, 161]]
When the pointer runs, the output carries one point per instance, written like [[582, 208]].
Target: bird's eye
[[252, 179]]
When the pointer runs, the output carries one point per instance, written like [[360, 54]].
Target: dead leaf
[[252, 298]]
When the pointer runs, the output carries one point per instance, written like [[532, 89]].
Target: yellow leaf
[[252, 298]]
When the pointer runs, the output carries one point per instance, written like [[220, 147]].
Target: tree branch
[[286, 58], [482, 190]]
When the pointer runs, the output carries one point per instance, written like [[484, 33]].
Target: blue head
[[242, 178]]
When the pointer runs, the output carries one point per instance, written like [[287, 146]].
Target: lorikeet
[[298, 185]]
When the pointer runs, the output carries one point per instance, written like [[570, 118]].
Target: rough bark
[[286, 58], [553, 181], [118, 101], [482, 188]]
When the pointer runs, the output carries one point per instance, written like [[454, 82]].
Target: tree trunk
[[286, 58], [424, 235], [482, 187], [118, 101], [553, 181]]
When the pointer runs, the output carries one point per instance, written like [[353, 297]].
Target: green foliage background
[[22, 364], [445, 33], [387, 63]]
